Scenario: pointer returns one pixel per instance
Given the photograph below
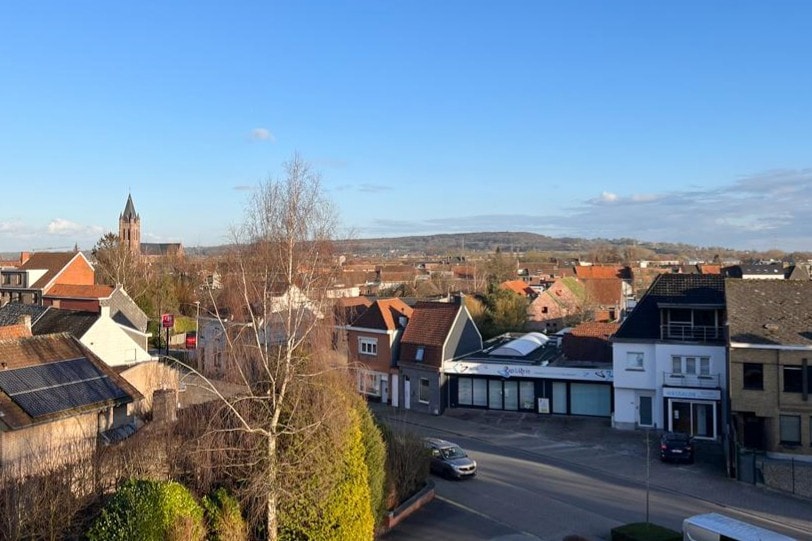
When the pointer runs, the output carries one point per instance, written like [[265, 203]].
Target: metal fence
[[786, 474]]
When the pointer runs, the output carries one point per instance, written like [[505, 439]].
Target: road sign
[[168, 321]]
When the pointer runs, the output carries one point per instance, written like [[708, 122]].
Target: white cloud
[[262, 134], [608, 197], [62, 227]]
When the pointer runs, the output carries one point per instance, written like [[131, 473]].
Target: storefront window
[[527, 395], [465, 392], [511, 393], [480, 392], [495, 395]]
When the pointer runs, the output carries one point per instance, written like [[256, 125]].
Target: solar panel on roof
[[54, 387]]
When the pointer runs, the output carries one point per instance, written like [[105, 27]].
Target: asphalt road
[[519, 495]]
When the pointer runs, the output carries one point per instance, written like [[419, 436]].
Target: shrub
[[149, 510], [407, 465], [341, 512], [223, 517], [375, 459], [644, 531]]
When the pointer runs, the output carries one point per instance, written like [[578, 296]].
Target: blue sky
[[683, 121]]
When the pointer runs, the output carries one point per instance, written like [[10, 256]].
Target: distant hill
[[509, 242]]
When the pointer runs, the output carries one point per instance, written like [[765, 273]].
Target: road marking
[[483, 515]]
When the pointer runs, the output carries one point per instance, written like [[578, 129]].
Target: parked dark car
[[676, 447], [449, 460]]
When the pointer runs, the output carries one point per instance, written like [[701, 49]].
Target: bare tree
[[116, 264], [274, 433]]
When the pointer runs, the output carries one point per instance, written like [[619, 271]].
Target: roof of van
[[731, 527]]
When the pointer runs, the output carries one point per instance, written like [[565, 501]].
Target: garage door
[[590, 399]]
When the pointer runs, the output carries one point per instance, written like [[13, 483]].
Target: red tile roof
[[598, 271], [430, 323], [14, 331], [51, 262], [595, 329], [519, 287], [384, 314], [604, 291], [80, 291]]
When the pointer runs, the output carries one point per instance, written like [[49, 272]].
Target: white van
[[716, 527]]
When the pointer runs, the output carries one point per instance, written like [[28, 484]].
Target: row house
[[37, 273], [770, 352], [436, 334], [373, 341], [669, 358]]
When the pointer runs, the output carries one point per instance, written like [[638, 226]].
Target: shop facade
[[558, 390]]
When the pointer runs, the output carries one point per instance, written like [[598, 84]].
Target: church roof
[[129, 210]]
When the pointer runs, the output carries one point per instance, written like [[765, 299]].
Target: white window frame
[[635, 360], [367, 346], [701, 365]]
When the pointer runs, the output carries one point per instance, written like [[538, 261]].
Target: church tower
[[129, 227]]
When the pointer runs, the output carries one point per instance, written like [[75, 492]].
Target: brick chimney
[[25, 320], [24, 257]]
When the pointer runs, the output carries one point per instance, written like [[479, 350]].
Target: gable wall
[[111, 344], [78, 272]]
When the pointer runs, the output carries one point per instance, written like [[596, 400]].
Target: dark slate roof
[[69, 321], [11, 313], [124, 310], [679, 289], [55, 376], [161, 249], [129, 209], [769, 312], [798, 272]]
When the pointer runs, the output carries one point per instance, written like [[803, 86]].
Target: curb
[[418, 500]]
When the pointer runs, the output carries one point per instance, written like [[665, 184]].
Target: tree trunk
[[272, 513]]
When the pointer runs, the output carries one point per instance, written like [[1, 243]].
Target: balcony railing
[[692, 333], [673, 379]]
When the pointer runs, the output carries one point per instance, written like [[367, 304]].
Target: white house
[[669, 358]]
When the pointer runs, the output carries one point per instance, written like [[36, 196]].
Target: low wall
[[421, 498]]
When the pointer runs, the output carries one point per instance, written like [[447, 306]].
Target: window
[[704, 366], [424, 394], [465, 391], [790, 429], [634, 361], [544, 309], [694, 366], [792, 379], [419, 353], [753, 376], [368, 346]]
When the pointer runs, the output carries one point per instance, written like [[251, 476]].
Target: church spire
[[129, 209]]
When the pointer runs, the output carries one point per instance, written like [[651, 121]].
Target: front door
[[384, 390], [407, 393]]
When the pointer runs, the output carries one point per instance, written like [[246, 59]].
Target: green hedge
[[143, 510], [644, 531], [224, 518]]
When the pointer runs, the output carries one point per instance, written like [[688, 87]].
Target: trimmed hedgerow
[[223, 517], [146, 510]]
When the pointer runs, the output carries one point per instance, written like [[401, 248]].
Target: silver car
[[449, 460]]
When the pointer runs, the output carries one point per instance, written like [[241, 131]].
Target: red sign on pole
[[168, 321]]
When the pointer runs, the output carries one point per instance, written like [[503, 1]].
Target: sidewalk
[[592, 443]]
